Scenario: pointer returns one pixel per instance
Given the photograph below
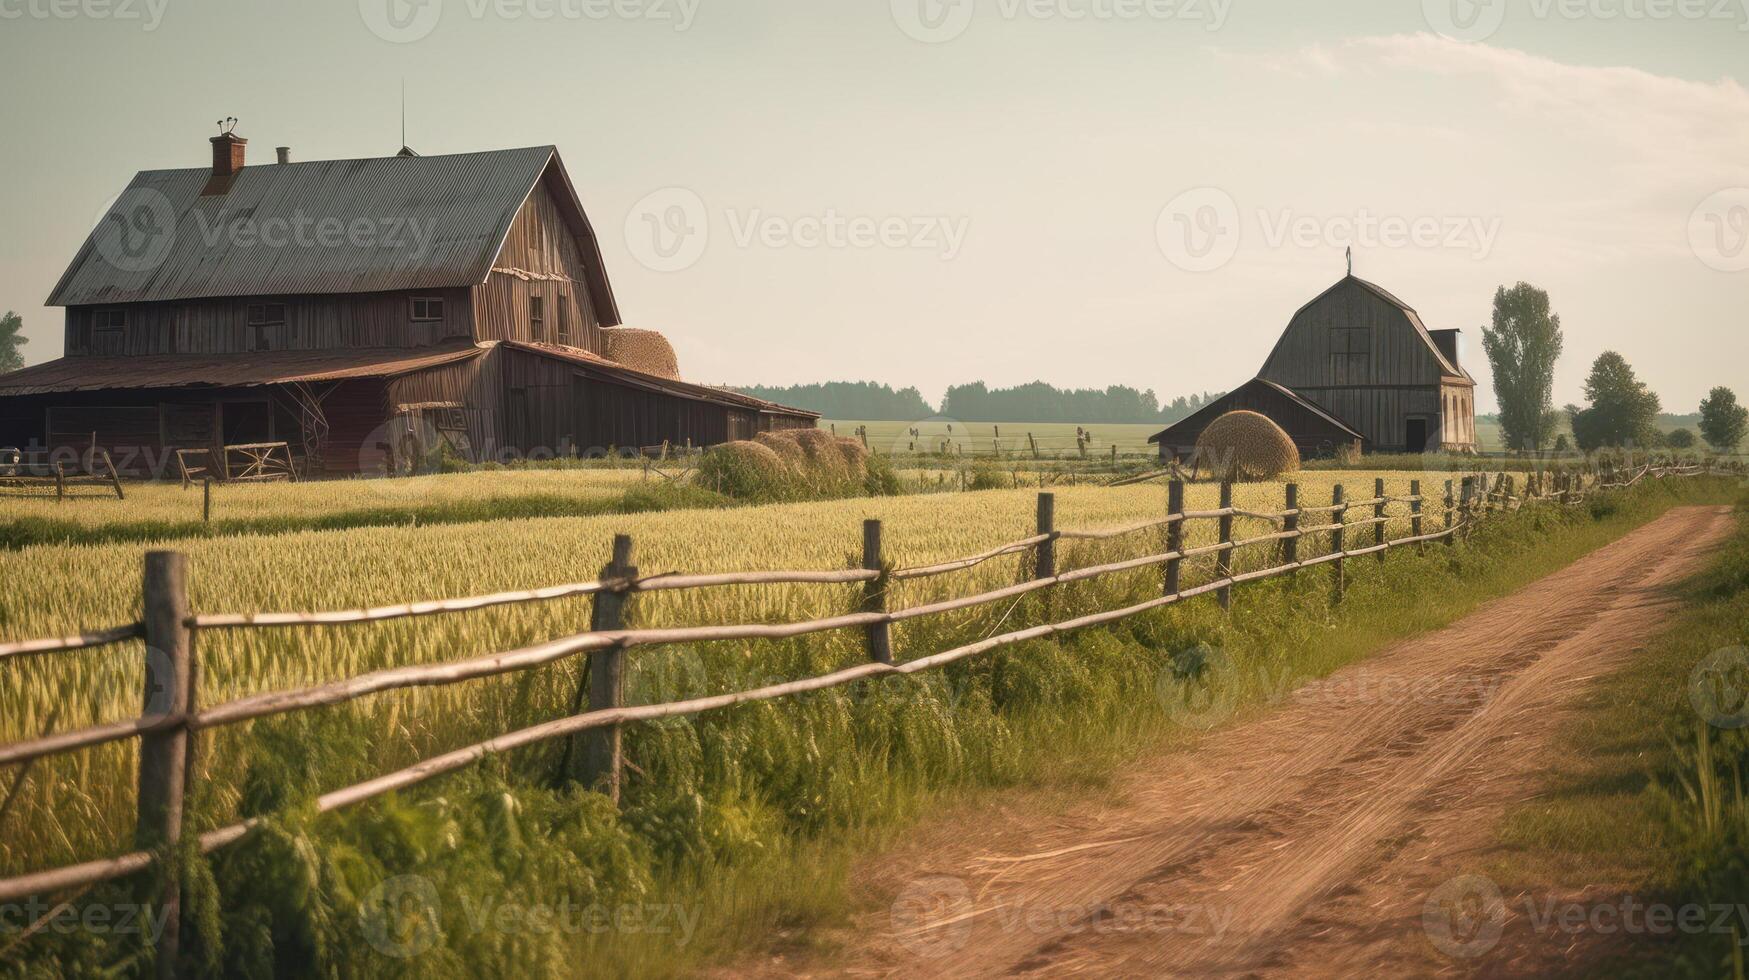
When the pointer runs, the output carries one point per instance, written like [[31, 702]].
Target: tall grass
[[734, 815]]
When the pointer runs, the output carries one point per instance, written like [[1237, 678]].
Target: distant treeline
[[975, 402], [861, 400]]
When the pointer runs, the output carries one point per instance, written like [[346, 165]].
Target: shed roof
[[1221, 405], [223, 370], [341, 226], [668, 386]]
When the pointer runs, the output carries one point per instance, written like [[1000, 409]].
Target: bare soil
[[1334, 835]]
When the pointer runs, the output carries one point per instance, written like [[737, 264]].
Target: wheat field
[[78, 806]]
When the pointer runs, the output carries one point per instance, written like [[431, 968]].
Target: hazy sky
[[925, 192]]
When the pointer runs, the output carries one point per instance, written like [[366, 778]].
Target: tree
[[10, 341], [1522, 347], [1679, 439], [1623, 412], [1722, 421]]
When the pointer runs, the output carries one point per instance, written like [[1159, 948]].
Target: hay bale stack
[[1245, 446], [855, 456], [744, 470], [824, 457], [787, 449], [641, 350]]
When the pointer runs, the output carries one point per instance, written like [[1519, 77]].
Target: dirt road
[[1304, 842]]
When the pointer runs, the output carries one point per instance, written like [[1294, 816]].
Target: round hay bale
[[787, 449], [743, 470], [641, 350], [855, 456], [824, 457], [1245, 446]]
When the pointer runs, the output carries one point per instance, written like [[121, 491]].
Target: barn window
[[107, 328], [536, 319], [263, 317], [1350, 354], [427, 309], [564, 313]]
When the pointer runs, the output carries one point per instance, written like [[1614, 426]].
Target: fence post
[[874, 594], [1224, 557], [164, 753], [601, 746], [1174, 534], [1290, 546], [1338, 543], [1467, 507], [1450, 514], [1047, 549], [1415, 516], [1378, 513]]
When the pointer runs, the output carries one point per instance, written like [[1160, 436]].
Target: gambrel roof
[[1446, 367], [431, 222]]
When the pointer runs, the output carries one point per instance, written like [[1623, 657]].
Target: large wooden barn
[[1356, 366], [350, 308]]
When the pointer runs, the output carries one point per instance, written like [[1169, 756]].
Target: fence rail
[[169, 628]]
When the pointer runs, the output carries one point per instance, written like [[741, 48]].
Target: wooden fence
[[174, 715]]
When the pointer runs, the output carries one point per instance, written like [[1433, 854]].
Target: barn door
[[1416, 440]]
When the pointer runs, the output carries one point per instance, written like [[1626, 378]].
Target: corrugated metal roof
[[330, 226], [683, 389], [223, 370]]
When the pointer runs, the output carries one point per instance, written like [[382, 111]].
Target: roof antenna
[[1351, 260], [406, 151]]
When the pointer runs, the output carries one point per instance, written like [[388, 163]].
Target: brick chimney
[[228, 154]]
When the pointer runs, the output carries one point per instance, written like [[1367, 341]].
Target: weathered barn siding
[[221, 326], [1367, 359], [475, 385], [541, 258]]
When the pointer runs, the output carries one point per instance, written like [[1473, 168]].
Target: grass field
[[1053, 438], [718, 808]]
